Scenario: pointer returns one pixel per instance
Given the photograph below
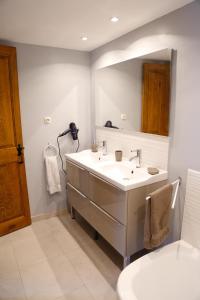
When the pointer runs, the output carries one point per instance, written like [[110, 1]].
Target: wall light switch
[[47, 120], [123, 116]]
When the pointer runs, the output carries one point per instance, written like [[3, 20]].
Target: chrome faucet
[[105, 152], [138, 156], [103, 147]]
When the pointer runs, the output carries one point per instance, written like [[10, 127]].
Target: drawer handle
[[105, 213], [75, 165], [107, 182], [73, 188]]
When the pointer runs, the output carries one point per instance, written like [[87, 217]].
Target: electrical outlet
[[47, 120], [123, 116]]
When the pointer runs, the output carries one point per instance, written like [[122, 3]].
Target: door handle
[[20, 149]]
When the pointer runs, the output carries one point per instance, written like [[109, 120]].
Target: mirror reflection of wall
[[134, 95]]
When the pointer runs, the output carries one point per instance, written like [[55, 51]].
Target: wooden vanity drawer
[[78, 201], [77, 176], [108, 197], [113, 231]]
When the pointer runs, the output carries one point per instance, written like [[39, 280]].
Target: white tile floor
[[57, 259]]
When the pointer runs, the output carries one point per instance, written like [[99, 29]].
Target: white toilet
[[173, 271]]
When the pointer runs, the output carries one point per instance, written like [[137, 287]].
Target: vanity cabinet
[[78, 201], [110, 198], [115, 214], [77, 177]]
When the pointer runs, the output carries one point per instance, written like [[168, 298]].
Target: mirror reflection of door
[[156, 98]]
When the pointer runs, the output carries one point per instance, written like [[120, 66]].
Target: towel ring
[[50, 150]]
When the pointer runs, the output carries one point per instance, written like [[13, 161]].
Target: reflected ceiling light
[[114, 19], [84, 38]]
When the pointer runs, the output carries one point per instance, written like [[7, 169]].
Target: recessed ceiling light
[[114, 19], [84, 38]]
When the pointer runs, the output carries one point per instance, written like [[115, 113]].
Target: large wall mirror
[[134, 95]]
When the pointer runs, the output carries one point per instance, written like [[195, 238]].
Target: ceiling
[[61, 23]]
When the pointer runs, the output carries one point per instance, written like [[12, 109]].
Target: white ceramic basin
[[122, 174], [118, 171], [123, 171], [87, 157], [126, 176]]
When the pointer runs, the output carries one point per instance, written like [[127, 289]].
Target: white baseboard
[[48, 215]]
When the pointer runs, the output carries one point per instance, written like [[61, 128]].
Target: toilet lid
[[170, 273]]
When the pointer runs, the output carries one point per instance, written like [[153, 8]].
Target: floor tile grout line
[[76, 272], [20, 269], [66, 228], [20, 275], [64, 253], [48, 259], [95, 265]]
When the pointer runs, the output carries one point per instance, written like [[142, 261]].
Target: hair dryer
[[73, 130], [110, 125]]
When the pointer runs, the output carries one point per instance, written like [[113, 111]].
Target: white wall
[[56, 83], [180, 31], [118, 90], [154, 148]]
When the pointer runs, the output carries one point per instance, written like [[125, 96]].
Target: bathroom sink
[[123, 171], [128, 176], [123, 175], [89, 157]]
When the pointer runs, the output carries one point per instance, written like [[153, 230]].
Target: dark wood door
[[14, 204], [156, 98]]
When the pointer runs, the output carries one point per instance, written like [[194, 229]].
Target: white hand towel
[[53, 176]]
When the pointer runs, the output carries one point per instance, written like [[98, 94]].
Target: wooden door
[[156, 98], [14, 204]]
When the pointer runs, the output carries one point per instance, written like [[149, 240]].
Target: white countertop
[[123, 175]]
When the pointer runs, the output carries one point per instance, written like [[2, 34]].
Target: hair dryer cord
[[60, 156], [78, 145]]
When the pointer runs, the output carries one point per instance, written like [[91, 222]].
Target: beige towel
[[156, 227]]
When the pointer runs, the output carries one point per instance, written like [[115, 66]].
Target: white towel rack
[[50, 150], [176, 183]]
